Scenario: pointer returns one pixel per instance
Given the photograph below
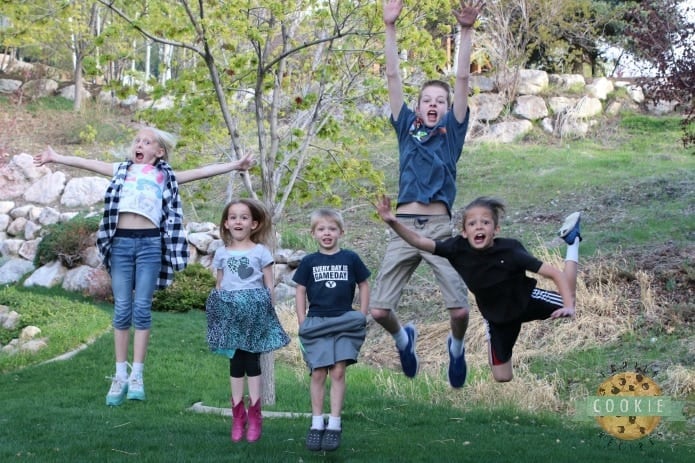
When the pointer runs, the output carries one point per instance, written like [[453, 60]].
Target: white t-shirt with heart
[[242, 269]]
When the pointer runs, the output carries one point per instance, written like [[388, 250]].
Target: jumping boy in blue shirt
[[430, 141]]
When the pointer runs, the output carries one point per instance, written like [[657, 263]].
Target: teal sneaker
[[136, 388], [117, 392]]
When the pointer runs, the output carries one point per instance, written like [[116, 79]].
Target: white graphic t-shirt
[[242, 269], [142, 191]]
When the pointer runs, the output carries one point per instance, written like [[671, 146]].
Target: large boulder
[[39, 88], [530, 107]]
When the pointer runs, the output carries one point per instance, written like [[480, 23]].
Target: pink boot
[[253, 433], [238, 420]]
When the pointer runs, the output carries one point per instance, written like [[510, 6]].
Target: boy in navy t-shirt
[[331, 332]]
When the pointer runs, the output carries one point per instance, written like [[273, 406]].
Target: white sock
[[137, 369], [401, 338], [334, 423], [456, 346], [317, 422], [122, 370], [573, 251]]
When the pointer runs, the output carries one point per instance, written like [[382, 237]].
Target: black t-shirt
[[330, 281], [496, 276]]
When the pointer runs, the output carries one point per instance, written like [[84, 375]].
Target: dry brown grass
[[608, 307]]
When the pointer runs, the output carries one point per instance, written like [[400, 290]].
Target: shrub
[[189, 290], [65, 241]]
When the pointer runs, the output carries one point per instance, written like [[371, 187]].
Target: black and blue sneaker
[[570, 228], [457, 367], [409, 361]]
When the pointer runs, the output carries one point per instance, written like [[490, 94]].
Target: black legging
[[244, 364]]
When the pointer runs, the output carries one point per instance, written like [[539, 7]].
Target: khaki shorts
[[401, 260]]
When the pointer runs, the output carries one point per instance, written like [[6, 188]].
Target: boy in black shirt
[[494, 269]]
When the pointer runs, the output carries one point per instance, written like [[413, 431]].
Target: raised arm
[[466, 17], [214, 169], [563, 287], [392, 9], [92, 165], [411, 237]]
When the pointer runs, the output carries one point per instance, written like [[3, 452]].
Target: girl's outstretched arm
[[214, 169], [92, 165]]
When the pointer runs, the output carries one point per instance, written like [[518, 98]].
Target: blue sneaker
[[457, 367], [117, 392], [409, 360], [570, 228]]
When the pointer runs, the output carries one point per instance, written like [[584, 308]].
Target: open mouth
[[139, 156], [432, 116], [479, 238]]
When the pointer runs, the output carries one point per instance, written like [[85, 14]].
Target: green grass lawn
[[55, 412]]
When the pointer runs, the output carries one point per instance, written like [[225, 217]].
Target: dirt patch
[[673, 273], [25, 130]]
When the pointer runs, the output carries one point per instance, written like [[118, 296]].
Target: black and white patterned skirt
[[243, 319]]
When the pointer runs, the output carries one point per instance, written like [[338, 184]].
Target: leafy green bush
[[65, 241], [189, 290]]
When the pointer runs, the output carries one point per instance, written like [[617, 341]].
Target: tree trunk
[[77, 105], [148, 58], [268, 379]]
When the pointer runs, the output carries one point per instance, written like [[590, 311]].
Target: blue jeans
[[135, 264]]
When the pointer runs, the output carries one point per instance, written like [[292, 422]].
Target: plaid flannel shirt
[[174, 242]]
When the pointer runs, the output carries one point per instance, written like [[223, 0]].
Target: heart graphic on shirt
[[244, 271]]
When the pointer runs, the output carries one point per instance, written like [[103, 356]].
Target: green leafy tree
[[274, 78]]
